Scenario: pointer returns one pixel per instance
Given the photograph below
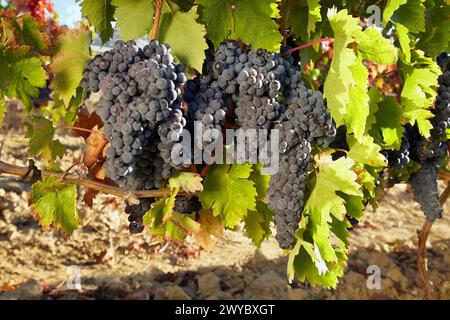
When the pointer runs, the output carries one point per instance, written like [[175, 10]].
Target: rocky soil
[[35, 264]]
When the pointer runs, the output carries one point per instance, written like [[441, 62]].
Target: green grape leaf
[[31, 69], [374, 99], [56, 110], [20, 75], [100, 14], [418, 93], [340, 229], [404, 41], [357, 108], [162, 210], [417, 85], [419, 116], [332, 176], [250, 21], [295, 14], [346, 84], [340, 78], [219, 19], [184, 5], [354, 206], [69, 63], [390, 8], [388, 129], [255, 24], [435, 39], [321, 233], [367, 180], [41, 143], [163, 222], [166, 231], [261, 180], [188, 181], [160, 219], [366, 151], [314, 15], [373, 46], [412, 15], [229, 193], [338, 210], [257, 223], [306, 263], [31, 33], [54, 203], [190, 47], [134, 17]]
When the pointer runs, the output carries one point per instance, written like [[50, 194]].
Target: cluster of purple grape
[[429, 153], [140, 94], [268, 93]]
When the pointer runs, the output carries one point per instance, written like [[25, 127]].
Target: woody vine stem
[[129, 195], [156, 19], [422, 250]]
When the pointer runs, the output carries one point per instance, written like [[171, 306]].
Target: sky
[[68, 11]]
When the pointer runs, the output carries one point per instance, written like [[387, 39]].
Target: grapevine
[[344, 108]]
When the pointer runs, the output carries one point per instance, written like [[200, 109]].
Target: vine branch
[[128, 195], [444, 176], [422, 250], [156, 19], [309, 44], [78, 129]]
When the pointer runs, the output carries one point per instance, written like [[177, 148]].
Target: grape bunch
[[287, 190], [309, 114], [399, 158], [304, 124], [257, 112], [426, 193], [133, 158], [432, 153], [145, 120], [228, 61], [139, 89], [432, 150], [160, 79], [436, 149], [249, 77], [207, 104], [257, 81], [429, 153], [187, 205], [171, 147], [136, 214]]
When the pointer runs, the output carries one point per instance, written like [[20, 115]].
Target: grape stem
[[156, 19], [422, 250], [130, 196], [205, 170], [306, 45], [340, 150], [77, 129], [444, 176]]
